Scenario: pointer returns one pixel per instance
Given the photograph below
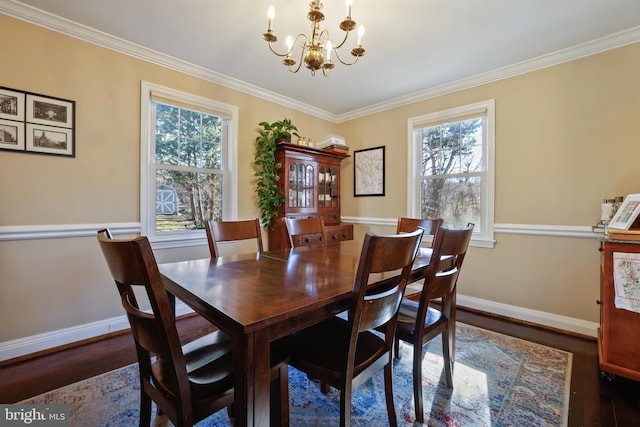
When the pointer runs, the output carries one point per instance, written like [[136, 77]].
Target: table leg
[[252, 387]]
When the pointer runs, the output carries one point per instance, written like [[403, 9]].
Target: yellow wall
[[53, 284], [566, 137]]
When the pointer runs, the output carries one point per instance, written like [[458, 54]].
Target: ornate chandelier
[[316, 49]]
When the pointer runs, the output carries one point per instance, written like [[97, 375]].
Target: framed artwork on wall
[[49, 140], [11, 104], [11, 135], [36, 123], [49, 111], [368, 172]]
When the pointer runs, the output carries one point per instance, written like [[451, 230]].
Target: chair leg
[[446, 355], [145, 409], [388, 391], [324, 387], [417, 381], [230, 413], [345, 405], [396, 348]]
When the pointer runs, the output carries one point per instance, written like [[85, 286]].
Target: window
[[188, 165], [451, 173]]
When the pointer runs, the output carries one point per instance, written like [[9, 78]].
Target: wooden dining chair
[[305, 231], [344, 353], [232, 231], [187, 382], [430, 227], [419, 322]]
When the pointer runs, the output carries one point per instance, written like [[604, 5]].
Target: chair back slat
[[430, 226], [145, 327], [380, 308], [441, 285], [230, 231]]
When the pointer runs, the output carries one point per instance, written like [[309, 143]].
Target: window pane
[[186, 200], [456, 200], [452, 148], [190, 124], [188, 138], [211, 155], [166, 148]]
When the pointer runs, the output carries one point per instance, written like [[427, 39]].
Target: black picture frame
[[36, 123], [369, 172]]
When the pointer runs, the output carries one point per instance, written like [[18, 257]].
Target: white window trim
[[486, 238], [147, 155]]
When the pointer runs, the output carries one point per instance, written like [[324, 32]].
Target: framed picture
[[627, 213], [11, 135], [368, 172], [50, 140], [11, 104], [49, 111]]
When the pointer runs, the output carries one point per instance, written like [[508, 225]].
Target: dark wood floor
[[594, 402]]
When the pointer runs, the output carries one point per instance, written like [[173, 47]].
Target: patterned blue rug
[[498, 381]]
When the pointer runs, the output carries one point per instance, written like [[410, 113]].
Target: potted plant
[[270, 195]]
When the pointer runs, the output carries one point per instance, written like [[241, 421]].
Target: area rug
[[498, 381]]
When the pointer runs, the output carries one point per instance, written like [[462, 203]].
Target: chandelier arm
[[293, 45], [299, 61], [344, 62], [346, 36]]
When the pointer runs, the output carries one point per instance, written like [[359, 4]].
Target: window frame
[[486, 109], [148, 166]]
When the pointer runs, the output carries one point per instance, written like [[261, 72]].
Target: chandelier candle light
[[316, 49]]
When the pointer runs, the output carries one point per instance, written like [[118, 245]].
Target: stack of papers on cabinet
[[332, 141]]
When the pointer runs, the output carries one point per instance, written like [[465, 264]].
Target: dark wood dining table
[[258, 298]]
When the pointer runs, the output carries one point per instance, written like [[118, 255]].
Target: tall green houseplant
[[270, 196]]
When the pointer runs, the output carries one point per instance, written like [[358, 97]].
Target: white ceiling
[[412, 46]]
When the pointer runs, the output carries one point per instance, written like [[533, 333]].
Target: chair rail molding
[[58, 231], [580, 231]]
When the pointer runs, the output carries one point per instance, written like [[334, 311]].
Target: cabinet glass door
[[301, 183], [327, 187]]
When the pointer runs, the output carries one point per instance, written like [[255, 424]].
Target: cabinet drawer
[[339, 232], [331, 217]]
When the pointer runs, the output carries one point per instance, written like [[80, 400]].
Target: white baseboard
[[40, 342], [45, 341], [534, 316]]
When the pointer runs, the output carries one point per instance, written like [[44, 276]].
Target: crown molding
[[72, 29], [593, 47]]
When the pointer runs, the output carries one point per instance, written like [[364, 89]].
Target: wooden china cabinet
[[310, 178], [619, 331]]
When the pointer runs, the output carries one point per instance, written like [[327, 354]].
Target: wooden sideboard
[[619, 331]]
